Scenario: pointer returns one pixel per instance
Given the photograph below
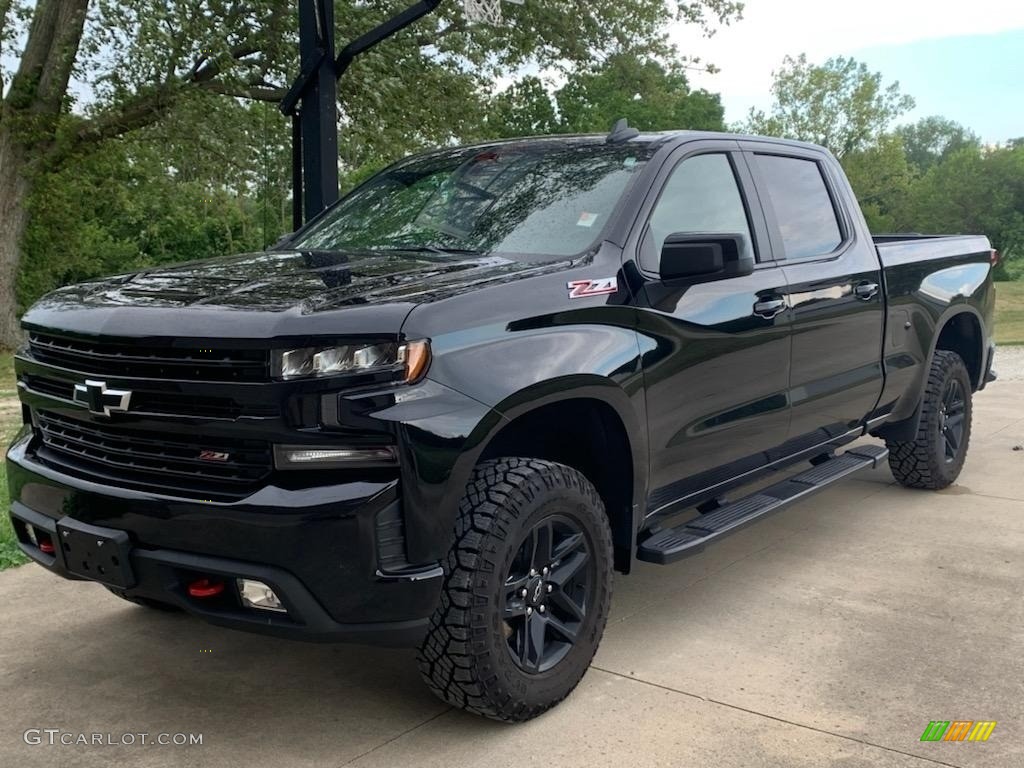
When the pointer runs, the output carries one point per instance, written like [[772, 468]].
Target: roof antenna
[[621, 132]]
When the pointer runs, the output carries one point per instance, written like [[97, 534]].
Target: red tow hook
[[205, 588], [46, 546]]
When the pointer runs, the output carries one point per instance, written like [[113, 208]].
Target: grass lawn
[[10, 419], [7, 374], [1010, 312]]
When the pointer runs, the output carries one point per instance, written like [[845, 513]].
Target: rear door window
[[803, 207]]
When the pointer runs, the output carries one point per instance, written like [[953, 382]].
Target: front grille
[[160, 403], [153, 460], [151, 360]]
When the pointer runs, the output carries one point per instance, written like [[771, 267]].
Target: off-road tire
[[465, 658], [922, 462], [145, 602]]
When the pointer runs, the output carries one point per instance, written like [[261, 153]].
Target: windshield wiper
[[429, 249]]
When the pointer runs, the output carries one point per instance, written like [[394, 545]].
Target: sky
[[962, 60]]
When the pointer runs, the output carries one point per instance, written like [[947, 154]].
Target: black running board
[[671, 544]]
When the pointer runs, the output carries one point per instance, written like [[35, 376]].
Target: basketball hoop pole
[[312, 101]]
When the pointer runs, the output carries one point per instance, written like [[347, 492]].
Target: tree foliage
[[975, 191], [839, 104], [145, 66], [933, 139], [651, 95], [882, 177]]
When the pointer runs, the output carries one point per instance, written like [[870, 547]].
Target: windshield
[[541, 198]]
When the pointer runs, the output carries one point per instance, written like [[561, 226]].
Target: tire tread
[[453, 659], [914, 463]]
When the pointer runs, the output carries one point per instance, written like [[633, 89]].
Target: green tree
[[651, 95], [932, 139], [525, 108], [141, 60], [118, 210], [839, 104], [975, 192], [881, 177]]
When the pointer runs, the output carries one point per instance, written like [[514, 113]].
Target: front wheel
[[526, 594], [936, 455]]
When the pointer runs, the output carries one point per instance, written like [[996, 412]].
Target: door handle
[[769, 308], [866, 291]]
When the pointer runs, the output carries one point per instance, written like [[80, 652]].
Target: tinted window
[[701, 195], [535, 198], [802, 205]]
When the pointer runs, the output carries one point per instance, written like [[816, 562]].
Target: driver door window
[[701, 195]]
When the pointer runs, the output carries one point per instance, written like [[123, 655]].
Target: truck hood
[[275, 293]]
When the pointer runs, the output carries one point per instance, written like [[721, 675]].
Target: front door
[[716, 353]]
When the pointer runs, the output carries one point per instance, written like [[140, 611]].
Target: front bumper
[[316, 547]]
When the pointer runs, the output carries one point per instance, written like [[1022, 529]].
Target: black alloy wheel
[[951, 419], [547, 594], [934, 457], [527, 590]]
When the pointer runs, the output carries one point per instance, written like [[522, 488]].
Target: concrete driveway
[[830, 634]]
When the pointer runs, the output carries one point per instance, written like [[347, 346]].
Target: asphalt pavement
[[828, 635]]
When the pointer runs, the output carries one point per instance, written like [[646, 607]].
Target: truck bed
[[898, 249]]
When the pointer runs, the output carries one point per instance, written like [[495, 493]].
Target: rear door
[[834, 290], [715, 354]]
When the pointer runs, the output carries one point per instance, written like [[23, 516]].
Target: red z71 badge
[[581, 289], [214, 456]]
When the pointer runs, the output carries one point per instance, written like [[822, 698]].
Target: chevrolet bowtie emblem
[[100, 400]]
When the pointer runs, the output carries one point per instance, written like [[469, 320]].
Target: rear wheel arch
[[961, 332]]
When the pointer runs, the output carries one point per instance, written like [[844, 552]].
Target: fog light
[[306, 457], [256, 594], [30, 531]]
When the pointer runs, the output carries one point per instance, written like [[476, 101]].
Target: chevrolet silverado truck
[[443, 412]]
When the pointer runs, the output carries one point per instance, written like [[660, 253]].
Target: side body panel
[[928, 282]]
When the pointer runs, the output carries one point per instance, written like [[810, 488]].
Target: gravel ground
[[1009, 363]]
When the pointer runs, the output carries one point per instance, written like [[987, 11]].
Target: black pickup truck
[[442, 413]]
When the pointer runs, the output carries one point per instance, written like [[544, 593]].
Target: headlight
[[409, 361]]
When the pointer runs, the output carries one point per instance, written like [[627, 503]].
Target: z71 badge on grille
[[214, 456], [581, 289]]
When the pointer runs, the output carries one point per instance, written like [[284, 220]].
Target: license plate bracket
[[95, 553]]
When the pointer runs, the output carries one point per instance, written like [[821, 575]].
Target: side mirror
[[704, 256]]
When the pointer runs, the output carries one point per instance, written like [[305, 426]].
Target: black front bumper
[[316, 547]]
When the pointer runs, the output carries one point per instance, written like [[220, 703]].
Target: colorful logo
[[958, 730]]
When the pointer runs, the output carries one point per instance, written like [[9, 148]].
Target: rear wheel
[[936, 455], [526, 594]]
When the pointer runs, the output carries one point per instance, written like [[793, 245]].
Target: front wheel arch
[[594, 429]]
